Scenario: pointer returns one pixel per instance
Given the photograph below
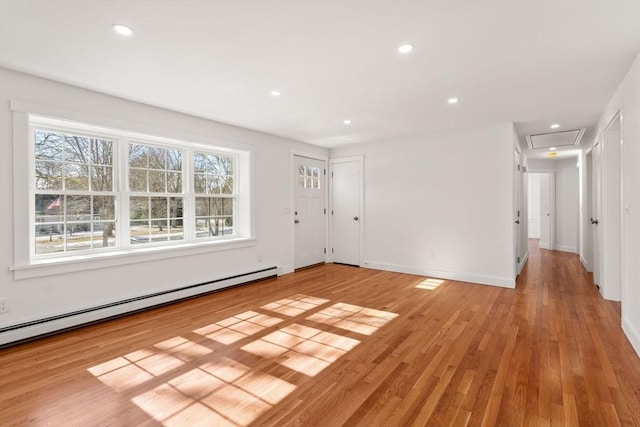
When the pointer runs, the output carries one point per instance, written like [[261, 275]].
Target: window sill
[[72, 264]]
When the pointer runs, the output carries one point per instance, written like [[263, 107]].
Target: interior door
[[309, 211], [346, 191], [596, 211], [545, 212]]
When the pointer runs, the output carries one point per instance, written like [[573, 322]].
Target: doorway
[[541, 207], [309, 210], [347, 200]]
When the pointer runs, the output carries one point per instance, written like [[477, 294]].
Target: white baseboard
[[37, 327], [285, 269], [585, 264], [562, 248], [632, 334], [502, 282], [533, 236], [523, 262]]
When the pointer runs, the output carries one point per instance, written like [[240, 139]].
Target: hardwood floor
[[337, 345]]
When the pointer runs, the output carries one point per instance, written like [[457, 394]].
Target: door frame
[[552, 205], [360, 161], [292, 201]]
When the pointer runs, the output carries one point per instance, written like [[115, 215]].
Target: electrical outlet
[[4, 305]]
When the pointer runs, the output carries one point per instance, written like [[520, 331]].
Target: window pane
[[213, 185], [175, 207], [157, 158], [49, 238], [174, 182], [159, 230], [49, 208], [138, 156], [104, 208], [76, 149], [101, 151], [176, 231], [78, 208], [139, 231], [101, 178], [76, 177], [174, 160], [48, 146], [226, 185], [158, 207], [137, 180], [139, 207], [48, 176], [104, 234], [199, 183], [78, 236], [227, 207], [156, 181]]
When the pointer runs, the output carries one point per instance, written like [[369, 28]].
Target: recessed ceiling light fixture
[[276, 93], [123, 30], [555, 126], [347, 122], [405, 48], [452, 101], [552, 148]]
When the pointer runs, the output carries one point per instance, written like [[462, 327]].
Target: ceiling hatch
[[555, 139]]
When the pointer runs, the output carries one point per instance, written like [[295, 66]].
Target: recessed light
[[555, 126], [452, 100], [552, 148], [347, 122], [552, 154], [405, 48], [122, 30], [276, 93]]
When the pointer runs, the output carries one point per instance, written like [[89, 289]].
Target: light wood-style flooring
[[337, 345]]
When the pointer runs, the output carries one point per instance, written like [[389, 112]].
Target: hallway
[[338, 345]]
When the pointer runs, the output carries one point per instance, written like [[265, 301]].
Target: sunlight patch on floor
[[430, 284]]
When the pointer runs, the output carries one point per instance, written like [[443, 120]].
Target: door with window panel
[[309, 211]]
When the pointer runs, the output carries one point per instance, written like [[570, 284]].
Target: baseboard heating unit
[[26, 331]]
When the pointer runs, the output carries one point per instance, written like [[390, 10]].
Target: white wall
[[442, 206], [627, 99], [37, 298]]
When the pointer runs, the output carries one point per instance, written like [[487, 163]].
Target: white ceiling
[[528, 62]]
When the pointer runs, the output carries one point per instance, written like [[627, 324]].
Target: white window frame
[[27, 117]]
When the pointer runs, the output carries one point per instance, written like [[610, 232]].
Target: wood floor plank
[[337, 345]]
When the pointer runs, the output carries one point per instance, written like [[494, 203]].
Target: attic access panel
[[555, 139]]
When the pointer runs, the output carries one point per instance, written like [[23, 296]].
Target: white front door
[[309, 211], [346, 190], [596, 212]]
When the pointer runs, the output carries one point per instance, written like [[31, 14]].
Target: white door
[[596, 212], [545, 212], [534, 205], [309, 211], [346, 206]]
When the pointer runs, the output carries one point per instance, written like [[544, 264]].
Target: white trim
[[93, 261], [632, 334], [503, 282], [585, 264], [524, 260], [563, 248]]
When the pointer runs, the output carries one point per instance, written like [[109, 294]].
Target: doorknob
[[297, 221], [355, 218], [594, 221], [517, 221]]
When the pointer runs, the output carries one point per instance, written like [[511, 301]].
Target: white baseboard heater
[[27, 331]]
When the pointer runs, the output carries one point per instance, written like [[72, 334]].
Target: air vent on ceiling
[[555, 139]]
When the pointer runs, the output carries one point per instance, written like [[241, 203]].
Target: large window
[[97, 192]]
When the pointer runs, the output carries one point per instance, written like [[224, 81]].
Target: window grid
[[85, 191]]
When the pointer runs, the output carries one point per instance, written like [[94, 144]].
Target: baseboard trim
[[633, 335], [29, 330], [502, 282], [523, 262], [571, 249], [585, 264]]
